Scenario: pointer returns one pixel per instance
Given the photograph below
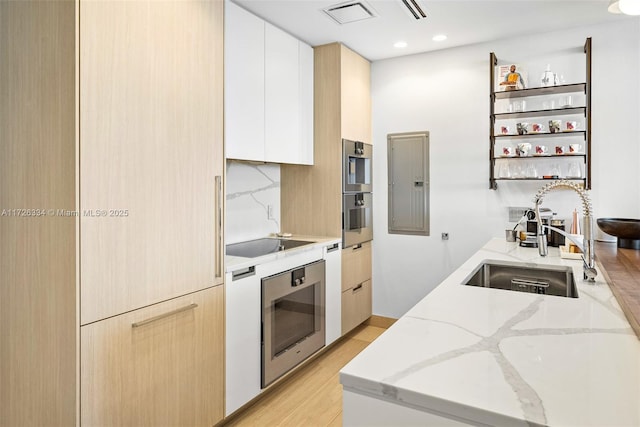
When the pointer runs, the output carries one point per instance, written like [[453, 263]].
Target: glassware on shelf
[[505, 170], [516, 171], [531, 170], [555, 170], [574, 170]]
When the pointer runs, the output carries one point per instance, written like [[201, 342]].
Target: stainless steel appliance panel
[[357, 166], [293, 319], [357, 219]]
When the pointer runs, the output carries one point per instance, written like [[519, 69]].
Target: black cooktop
[[259, 247]]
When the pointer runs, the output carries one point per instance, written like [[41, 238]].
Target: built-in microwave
[[357, 165], [357, 219]]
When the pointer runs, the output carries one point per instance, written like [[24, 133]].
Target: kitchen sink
[[521, 277]]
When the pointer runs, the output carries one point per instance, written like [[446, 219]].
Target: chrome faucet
[[587, 246]]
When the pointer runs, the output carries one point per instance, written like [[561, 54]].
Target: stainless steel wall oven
[[357, 184], [357, 167], [357, 224], [293, 318]]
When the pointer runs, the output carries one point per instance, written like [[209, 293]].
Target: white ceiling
[[463, 21]]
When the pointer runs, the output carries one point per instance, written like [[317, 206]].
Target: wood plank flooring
[[312, 397]]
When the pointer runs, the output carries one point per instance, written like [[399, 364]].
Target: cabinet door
[[161, 365], [244, 84], [356, 306], [333, 293], [356, 265], [305, 55], [150, 152], [282, 97], [243, 339], [355, 96]]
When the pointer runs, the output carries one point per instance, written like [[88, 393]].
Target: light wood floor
[[312, 397]]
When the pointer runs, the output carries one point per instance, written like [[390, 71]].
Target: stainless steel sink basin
[[520, 277]]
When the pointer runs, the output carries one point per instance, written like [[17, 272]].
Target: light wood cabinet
[[112, 113], [356, 306], [151, 148], [356, 285], [37, 249], [355, 97], [312, 197], [160, 365], [356, 261], [269, 97]]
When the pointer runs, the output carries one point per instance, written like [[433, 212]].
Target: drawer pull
[[162, 316], [356, 247], [241, 274], [357, 288], [332, 248]]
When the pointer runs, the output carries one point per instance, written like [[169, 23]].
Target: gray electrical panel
[[408, 168]]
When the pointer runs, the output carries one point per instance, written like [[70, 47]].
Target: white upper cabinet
[[268, 91], [282, 92], [244, 84]]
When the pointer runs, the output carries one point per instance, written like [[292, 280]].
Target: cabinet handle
[[356, 247], [162, 316], [332, 248], [357, 288], [218, 225]]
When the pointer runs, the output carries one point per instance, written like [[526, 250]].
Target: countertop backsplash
[[253, 200]]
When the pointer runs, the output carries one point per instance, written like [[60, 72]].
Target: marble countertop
[[233, 263], [496, 357]]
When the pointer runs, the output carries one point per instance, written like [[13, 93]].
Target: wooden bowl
[[626, 230]]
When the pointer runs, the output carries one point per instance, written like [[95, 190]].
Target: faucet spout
[[587, 246]]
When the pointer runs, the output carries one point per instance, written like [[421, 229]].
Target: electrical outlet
[[269, 211], [445, 236]]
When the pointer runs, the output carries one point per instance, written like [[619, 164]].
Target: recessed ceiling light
[[439, 38], [400, 44]]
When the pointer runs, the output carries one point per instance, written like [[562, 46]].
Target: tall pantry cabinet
[[111, 308], [311, 198]]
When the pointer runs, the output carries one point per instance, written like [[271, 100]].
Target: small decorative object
[[510, 77], [537, 127], [571, 126], [575, 148], [504, 130], [549, 78], [507, 151], [523, 149], [523, 128], [554, 126], [541, 149], [560, 149]]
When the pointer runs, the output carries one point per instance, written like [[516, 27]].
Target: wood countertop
[[621, 268]]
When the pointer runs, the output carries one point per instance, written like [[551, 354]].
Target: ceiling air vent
[[352, 11], [414, 9]]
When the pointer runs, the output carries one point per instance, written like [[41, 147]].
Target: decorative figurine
[[549, 78]]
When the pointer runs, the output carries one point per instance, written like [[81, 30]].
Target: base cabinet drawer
[[356, 306], [356, 265], [160, 365]]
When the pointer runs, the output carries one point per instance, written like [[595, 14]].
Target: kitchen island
[[481, 356]]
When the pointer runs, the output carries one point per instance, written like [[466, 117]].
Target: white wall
[[447, 93], [251, 188]]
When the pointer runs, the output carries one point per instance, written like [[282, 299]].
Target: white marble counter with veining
[[497, 357], [233, 263]]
